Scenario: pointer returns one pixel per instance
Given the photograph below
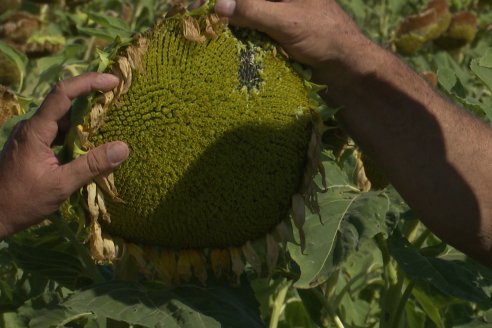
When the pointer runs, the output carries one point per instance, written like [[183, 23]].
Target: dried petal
[[237, 263], [362, 181], [199, 266], [110, 248], [165, 264], [191, 30], [102, 207], [299, 214], [135, 54], [283, 233], [96, 242], [83, 137], [91, 200], [251, 256], [138, 255], [221, 262], [106, 183], [183, 269]]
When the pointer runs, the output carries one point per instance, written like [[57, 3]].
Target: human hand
[[33, 183], [315, 32]]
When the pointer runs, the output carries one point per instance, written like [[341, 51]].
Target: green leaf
[[6, 129], [11, 320], [105, 33], [447, 78], [313, 305], [46, 252], [486, 60], [415, 317], [357, 7], [482, 68], [19, 59], [56, 316], [452, 277], [109, 21], [156, 306], [429, 307], [347, 216]]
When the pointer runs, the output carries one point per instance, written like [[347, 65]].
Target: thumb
[[266, 16], [99, 161]]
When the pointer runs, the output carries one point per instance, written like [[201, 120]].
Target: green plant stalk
[[278, 305], [392, 284], [409, 229], [421, 239], [329, 309], [384, 21], [85, 258], [401, 305]]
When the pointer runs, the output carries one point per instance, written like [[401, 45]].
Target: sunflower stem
[[84, 257], [279, 305]]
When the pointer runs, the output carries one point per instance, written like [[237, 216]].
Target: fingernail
[[225, 7], [117, 152], [107, 79]]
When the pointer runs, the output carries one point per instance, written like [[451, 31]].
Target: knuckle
[[94, 163], [22, 131], [59, 88]]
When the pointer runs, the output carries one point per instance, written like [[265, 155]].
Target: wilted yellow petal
[[221, 262], [237, 263], [164, 263], [137, 254], [183, 269], [199, 265]]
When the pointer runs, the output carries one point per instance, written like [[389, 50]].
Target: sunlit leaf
[[483, 68], [347, 216], [156, 306]]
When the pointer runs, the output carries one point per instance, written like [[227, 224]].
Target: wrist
[[5, 217], [358, 58], [4, 230]]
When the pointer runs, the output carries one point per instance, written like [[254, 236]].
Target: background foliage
[[368, 261]]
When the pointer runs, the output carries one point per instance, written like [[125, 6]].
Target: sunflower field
[[240, 247]]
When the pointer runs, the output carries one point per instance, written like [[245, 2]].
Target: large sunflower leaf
[[156, 306], [46, 253], [347, 216], [452, 273]]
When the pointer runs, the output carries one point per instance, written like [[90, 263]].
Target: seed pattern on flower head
[[212, 164], [223, 133]]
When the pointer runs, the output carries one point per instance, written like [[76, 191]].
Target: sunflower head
[[223, 133]]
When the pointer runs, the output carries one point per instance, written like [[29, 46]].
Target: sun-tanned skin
[[33, 183], [437, 156], [434, 153]]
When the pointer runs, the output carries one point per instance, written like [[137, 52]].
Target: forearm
[[4, 232], [437, 156]]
